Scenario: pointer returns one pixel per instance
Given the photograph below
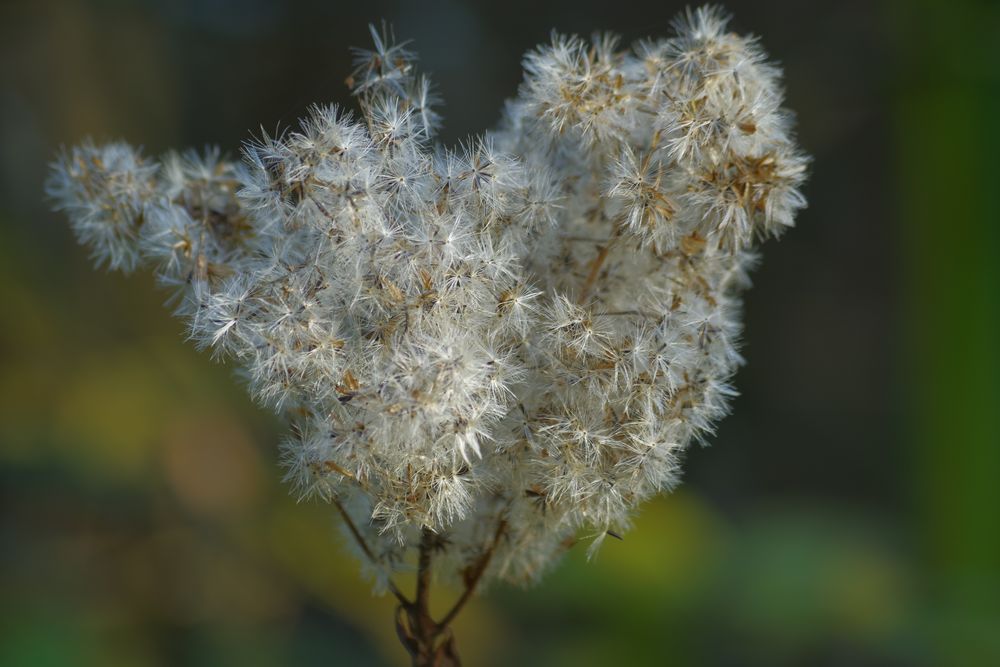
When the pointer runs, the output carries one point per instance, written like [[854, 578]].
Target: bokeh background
[[847, 513]]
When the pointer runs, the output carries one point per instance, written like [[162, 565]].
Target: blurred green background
[[848, 512]]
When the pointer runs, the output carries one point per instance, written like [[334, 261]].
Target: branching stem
[[475, 574], [366, 549], [419, 633]]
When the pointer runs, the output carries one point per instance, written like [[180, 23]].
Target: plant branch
[[420, 633], [367, 550], [424, 568], [595, 267], [474, 574]]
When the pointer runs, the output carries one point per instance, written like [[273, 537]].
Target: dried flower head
[[491, 347]]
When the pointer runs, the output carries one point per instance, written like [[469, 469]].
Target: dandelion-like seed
[[482, 353]]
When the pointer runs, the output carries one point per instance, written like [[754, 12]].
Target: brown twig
[[417, 630], [420, 633], [424, 567], [474, 575], [595, 267], [367, 550]]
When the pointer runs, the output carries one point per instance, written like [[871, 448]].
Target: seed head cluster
[[510, 343]]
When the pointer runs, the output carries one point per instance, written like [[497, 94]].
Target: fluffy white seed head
[[509, 343]]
